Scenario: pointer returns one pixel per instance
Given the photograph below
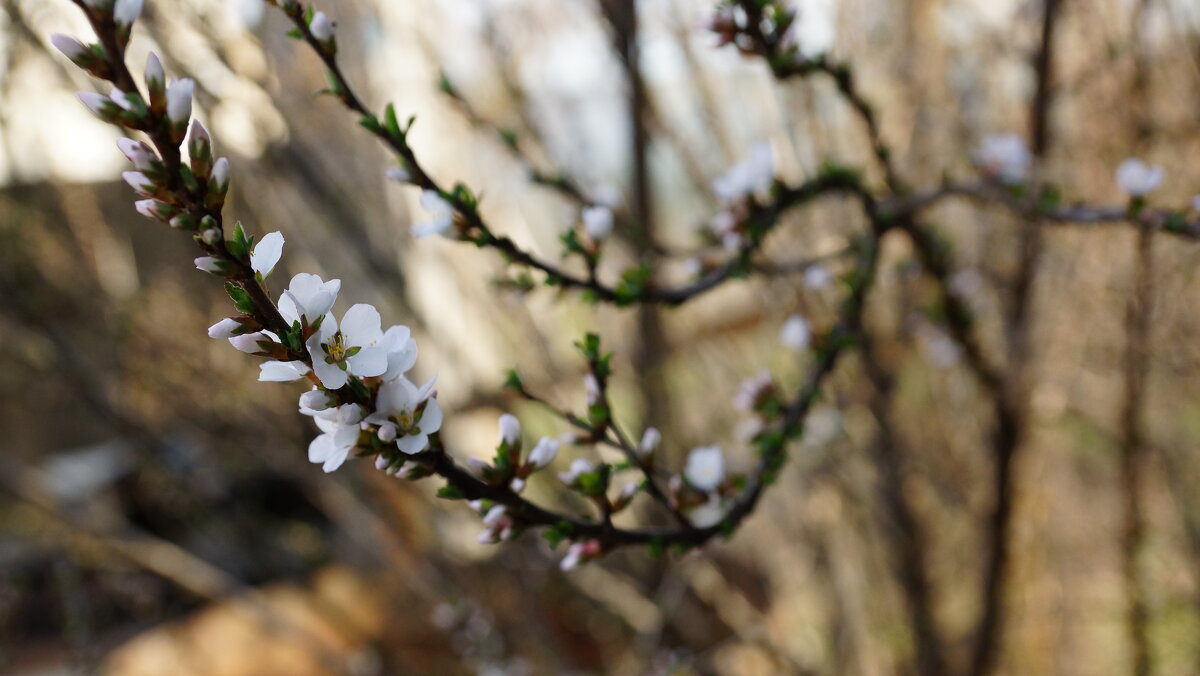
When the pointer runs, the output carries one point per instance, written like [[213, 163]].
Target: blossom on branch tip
[[579, 552], [705, 469], [510, 429], [597, 222], [442, 212], [1137, 178], [578, 467], [352, 350], [308, 296], [154, 75], [753, 175], [320, 27], [266, 254], [314, 401], [340, 434], [752, 390], [708, 513], [591, 388], [100, 105], [211, 264], [817, 276], [281, 371], [411, 410], [795, 334], [139, 182], [398, 174], [140, 154], [1004, 157], [152, 208]]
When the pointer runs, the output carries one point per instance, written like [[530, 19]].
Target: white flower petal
[[266, 253]]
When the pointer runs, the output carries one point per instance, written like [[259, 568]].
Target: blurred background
[[158, 514]]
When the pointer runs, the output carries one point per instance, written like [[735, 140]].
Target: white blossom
[[442, 212], [597, 222], [308, 296], [605, 195], [753, 175], [817, 276], [543, 453], [226, 328], [591, 388], [125, 12], [314, 401], [401, 351], [578, 466], [155, 77], [69, 46], [750, 390], [139, 182], [141, 155], [1137, 178], [705, 468], [795, 334], [210, 264], [579, 552], [340, 435], [320, 27], [281, 371], [397, 403], [248, 342], [398, 174], [1004, 157], [709, 513], [266, 253], [510, 429], [179, 100], [99, 104], [651, 438], [354, 349]]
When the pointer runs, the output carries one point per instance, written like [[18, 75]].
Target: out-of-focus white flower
[[121, 99], [651, 438], [401, 351], [605, 194], [354, 349], [753, 175], [1137, 178], [750, 390], [597, 222], [580, 552], [442, 212], [100, 105], [591, 389], [266, 253], [817, 276], [308, 296], [1004, 157], [321, 27], [398, 174], [125, 12], [705, 468], [397, 404], [152, 208], [709, 513], [510, 429], [179, 101], [822, 425], [220, 173], [795, 334], [248, 342], [69, 46], [281, 371], [226, 328], [578, 466], [543, 453], [340, 435]]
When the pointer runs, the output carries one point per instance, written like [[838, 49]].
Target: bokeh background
[[158, 514]]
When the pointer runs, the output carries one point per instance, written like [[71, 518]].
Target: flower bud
[[200, 150], [125, 12], [218, 184], [316, 400], [100, 105], [387, 432], [179, 102], [226, 328], [543, 453], [156, 84], [183, 221], [320, 27], [517, 484], [398, 174], [71, 48], [152, 208], [214, 265], [211, 236], [122, 100], [651, 438], [597, 222], [591, 388], [510, 429], [382, 461], [139, 182], [795, 334], [141, 155], [249, 342]]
